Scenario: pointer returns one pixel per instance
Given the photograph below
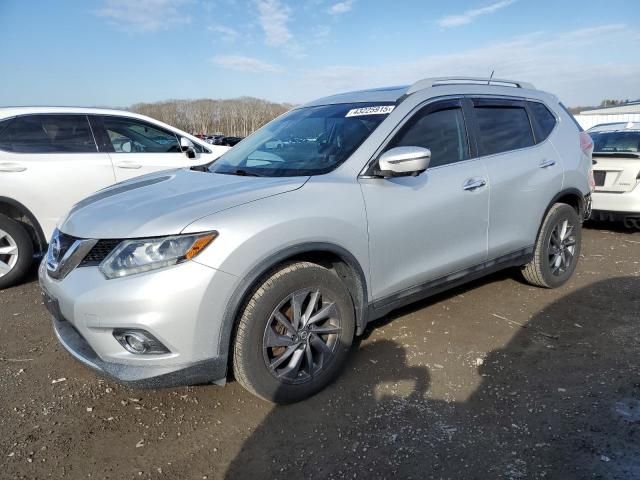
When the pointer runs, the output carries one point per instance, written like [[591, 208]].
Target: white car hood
[[164, 203]]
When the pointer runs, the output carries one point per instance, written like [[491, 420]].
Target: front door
[[428, 227], [137, 147]]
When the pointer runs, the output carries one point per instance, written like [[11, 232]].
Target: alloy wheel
[[8, 253], [562, 247], [302, 336]]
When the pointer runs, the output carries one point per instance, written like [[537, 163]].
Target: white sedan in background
[[616, 172], [53, 157]]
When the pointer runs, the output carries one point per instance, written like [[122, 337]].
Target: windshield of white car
[[616, 142], [305, 141]]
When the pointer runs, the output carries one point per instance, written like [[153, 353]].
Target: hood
[[164, 203]]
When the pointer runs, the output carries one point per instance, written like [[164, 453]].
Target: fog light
[[139, 342]]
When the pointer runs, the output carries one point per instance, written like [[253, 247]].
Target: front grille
[[99, 252]]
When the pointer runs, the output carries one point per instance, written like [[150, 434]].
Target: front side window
[[306, 141], [128, 135], [503, 128], [616, 142], [48, 134], [442, 131]]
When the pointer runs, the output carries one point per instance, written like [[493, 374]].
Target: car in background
[[230, 141], [214, 139], [53, 157], [616, 171]]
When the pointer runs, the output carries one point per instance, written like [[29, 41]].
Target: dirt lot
[[493, 380]]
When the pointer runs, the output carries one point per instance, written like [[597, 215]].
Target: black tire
[[543, 270], [253, 360], [15, 234]]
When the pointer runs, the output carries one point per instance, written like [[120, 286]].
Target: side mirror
[[187, 147], [403, 161]]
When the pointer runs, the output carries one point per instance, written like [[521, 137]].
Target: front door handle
[[547, 163], [11, 167], [128, 165], [474, 184]]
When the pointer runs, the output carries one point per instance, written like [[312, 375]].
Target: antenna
[[490, 77]]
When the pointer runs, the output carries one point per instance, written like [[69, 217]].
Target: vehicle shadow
[[560, 400]]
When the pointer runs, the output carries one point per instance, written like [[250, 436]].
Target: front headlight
[[142, 255]]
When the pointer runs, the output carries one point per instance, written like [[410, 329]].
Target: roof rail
[[439, 81]]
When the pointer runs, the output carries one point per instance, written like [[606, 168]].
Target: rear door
[[525, 172], [137, 147], [48, 162]]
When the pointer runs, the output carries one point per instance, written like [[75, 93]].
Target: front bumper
[[182, 306]]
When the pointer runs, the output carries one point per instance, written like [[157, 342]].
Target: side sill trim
[[409, 295]]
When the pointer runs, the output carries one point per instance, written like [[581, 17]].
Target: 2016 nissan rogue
[[271, 260]]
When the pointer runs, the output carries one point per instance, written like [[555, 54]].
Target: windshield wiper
[[241, 173]]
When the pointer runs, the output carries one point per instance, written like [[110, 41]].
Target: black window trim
[[32, 114], [499, 101], [433, 102], [136, 119]]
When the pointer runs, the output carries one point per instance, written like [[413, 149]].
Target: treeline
[[603, 104], [234, 117]]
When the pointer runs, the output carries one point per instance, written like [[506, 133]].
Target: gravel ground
[[493, 380]]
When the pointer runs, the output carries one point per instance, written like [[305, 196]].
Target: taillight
[[586, 143]]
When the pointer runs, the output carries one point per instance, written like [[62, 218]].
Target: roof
[[615, 127], [633, 107], [451, 85], [11, 111]]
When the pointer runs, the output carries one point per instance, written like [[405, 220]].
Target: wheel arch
[[17, 211], [572, 197], [345, 265]]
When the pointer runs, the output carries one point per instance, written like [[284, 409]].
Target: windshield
[[616, 142], [306, 141]]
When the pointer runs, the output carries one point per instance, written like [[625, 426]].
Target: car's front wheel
[[16, 252], [294, 334]]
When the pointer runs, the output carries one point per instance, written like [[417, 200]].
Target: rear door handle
[[474, 184], [547, 163], [128, 165], [11, 167]]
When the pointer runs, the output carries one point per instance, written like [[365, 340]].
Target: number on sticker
[[374, 110]]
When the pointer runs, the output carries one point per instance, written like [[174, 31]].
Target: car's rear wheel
[[557, 249], [16, 252], [294, 333]]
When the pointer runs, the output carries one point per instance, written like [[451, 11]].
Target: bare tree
[[237, 117]]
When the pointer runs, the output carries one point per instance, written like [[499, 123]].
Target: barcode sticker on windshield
[[377, 110]]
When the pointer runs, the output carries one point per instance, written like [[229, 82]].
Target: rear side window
[[130, 135], [441, 131], [544, 119], [48, 134], [503, 128]]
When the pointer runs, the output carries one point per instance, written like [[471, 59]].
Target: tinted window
[[544, 119], [616, 142], [129, 135], [48, 134], [443, 132], [503, 128]]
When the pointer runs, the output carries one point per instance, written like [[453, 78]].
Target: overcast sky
[[119, 52]]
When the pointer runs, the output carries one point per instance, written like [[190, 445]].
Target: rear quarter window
[[544, 120]]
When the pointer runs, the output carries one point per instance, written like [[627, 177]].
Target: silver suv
[[273, 258]]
